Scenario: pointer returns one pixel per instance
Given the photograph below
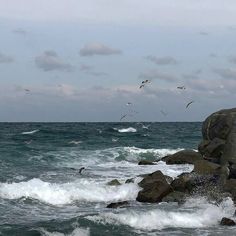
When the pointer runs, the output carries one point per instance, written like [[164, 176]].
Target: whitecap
[[59, 194], [31, 132], [76, 232], [204, 214], [127, 130]]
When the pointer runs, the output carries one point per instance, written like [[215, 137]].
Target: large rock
[[219, 136], [155, 187], [227, 221], [183, 157], [175, 196], [204, 167]]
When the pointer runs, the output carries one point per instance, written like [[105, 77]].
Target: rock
[[152, 178], [144, 162], [232, 171], [131, 180], [183, 157], [181, 183], [205, 167], [175, 196], [230, 185], [227, 221], [155, 187], [114, 182], [154, 192], [117, 204], [219, 136]]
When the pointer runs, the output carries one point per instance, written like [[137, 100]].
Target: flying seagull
[[181, 87], [189, 104], [163, 113], [122, 117], [81, 169], [128, 103]]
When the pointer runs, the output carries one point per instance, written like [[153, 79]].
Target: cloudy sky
[[74, 60]]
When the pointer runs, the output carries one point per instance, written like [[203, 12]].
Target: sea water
[[42, 191]]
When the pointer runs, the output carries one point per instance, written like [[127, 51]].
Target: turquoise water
[[43, 193]]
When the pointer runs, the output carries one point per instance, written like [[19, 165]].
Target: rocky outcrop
[[114, 182], [155, 187], [183, 157], [204, 167], [219, 136]]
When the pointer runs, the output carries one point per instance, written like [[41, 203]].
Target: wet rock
[[230, 185], [128, 181], [205, 167], [154, 192], [145, 162], [114, 182], [117, 204], [175, 196], [183, 157], [232, 171], [155, 187], [219, 136], [227, 221]]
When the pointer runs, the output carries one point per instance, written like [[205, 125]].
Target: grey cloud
[[19, 31], [49, 61], [98, 49], [157, 75], [226, 73], [162, 60], [5, 59], [90, 70], [232, 59]]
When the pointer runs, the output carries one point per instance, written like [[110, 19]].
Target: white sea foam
[[75, 232], [59, 194], [30, 132], [204, 214], [127, 130]]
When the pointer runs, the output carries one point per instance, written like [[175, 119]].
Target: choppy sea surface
[[43, 193]]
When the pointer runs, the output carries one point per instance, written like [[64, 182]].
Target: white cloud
[[93, 49]]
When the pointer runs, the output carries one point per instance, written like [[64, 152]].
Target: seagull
[[189, 104], [28, 142], [122, 117], [181, 87], [141, 86], [81, 169], [128, 103], [163, 113], [145, 81]]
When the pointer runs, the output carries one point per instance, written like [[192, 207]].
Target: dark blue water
[[43, 193]]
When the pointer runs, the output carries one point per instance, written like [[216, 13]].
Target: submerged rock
[[183, 157], [117, 204], [114, 182], [227, 221], [145, 162]]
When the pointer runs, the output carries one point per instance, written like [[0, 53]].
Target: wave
[[59, 194], [31, 132], [202, 214], [127, 130], [75, 232]]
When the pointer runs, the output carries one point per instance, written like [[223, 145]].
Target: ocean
[[43, 193]]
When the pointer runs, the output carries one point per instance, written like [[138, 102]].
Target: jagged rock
[[155, 187], [154, 192], [117, 204], [131, 180], [183, 157], [227, 221], [114, 182], [205, 167], [175, 196], [145, 162], [152, 178], [219, 136]]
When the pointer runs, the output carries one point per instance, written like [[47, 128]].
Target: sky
[[74, 60]]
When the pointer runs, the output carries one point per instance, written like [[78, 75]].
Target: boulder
[[175, 196], [154, 192], [155, 187], [117, 204], [114, 182], [227, 221], [204, 167], [144, 162], [219, 136], [183, 157]]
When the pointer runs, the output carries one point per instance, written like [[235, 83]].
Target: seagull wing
[[189, 104]]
